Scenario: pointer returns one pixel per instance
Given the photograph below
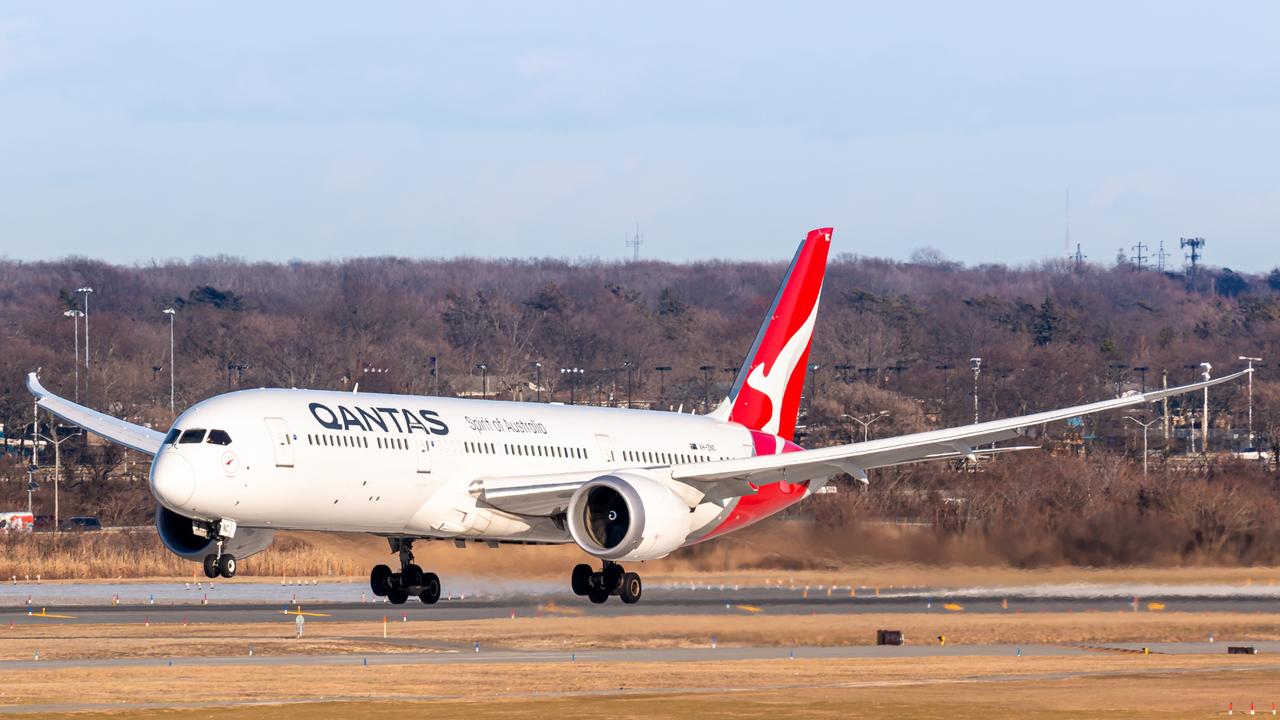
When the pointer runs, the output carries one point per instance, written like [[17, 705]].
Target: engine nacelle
[[177, 534], [627, 516]]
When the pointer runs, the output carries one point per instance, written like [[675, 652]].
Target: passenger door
[[424, 455], [281, 441], [606, 447]]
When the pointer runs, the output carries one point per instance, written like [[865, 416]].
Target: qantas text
[[386, 419]]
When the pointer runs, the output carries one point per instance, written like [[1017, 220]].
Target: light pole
[[537, 367], [813, 385], [662, 383], [1204, 420], [1142, 371], [976, 364], [1119, 368], [706, 385], [631, 371], [1145, 426], [57, 463], [435, 374], [484, 380], [866, 424], [84, 291], [75, 316], [1251, 361], [571, 374], [170, 312], [946, 387]]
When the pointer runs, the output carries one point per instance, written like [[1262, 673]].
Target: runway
[[264, 602], [634, 655]]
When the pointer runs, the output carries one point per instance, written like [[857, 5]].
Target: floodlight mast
[[170, 312], [1251, 361], [976, 364], [1204, 420]]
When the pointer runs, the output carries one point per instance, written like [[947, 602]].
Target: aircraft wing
[[135, 437], [721, 480], [857, 458]]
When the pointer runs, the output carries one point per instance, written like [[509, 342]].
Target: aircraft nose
[[173, 481]]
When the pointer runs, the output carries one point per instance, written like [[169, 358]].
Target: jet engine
[[177, 532], [627, 516]]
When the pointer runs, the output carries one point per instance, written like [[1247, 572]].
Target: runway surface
[[704, 654], [240, 602]]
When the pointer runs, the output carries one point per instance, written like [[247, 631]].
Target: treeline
[[891, 336]]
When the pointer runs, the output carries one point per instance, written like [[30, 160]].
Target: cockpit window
[[172, 437], [218, 437], [194, 435]]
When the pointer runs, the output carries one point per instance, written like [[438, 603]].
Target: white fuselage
[[400, 464]]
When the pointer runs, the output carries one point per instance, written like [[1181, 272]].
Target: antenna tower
[[1138, 257], [634, 243], [1160, 256], [1193, 255], [1078, 258]]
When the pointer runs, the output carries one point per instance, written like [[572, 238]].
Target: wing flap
[[132, 436]]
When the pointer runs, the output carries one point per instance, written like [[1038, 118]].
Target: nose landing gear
[[610, 580], [396, 587], [219, 563]]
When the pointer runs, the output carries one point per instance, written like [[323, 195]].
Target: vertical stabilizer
[[766, 393]]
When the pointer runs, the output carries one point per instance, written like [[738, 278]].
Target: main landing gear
[[396, 587], [611, 580]]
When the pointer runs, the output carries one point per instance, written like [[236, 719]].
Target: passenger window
[[194, 435], [172, 437], [218, 437]]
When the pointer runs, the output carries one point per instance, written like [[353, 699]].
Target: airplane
[[623, 484]]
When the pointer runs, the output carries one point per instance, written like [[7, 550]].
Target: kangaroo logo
[[772, 383]]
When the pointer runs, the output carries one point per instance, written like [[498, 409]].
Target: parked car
[[81, 523]]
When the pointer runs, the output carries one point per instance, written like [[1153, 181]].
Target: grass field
[[1098, 684], [568, 632], [1168, 687]]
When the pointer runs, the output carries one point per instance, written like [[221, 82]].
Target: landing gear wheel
[[227, 565], [598, 595], [411, 576], [396, 596], [631, 588], [612, 577], [379, 580], [211, 566], [581, 582], [430, 589]]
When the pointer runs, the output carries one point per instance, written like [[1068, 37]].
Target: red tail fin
[[766, 393]]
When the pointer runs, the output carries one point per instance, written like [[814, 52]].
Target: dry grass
[[140, 554], [67, 641], [748, 558], [928, 687]]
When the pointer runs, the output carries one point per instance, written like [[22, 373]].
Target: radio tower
[[1078, 258], [1194, 255], [634, 243], [1160, 256], [1138, 257]]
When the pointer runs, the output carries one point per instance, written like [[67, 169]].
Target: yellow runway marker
[[47, 614], [1155, 606], [305, 614], [749, 608], [554, 609], [953, 607]]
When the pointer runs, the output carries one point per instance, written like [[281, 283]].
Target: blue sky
[[133, 131]]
